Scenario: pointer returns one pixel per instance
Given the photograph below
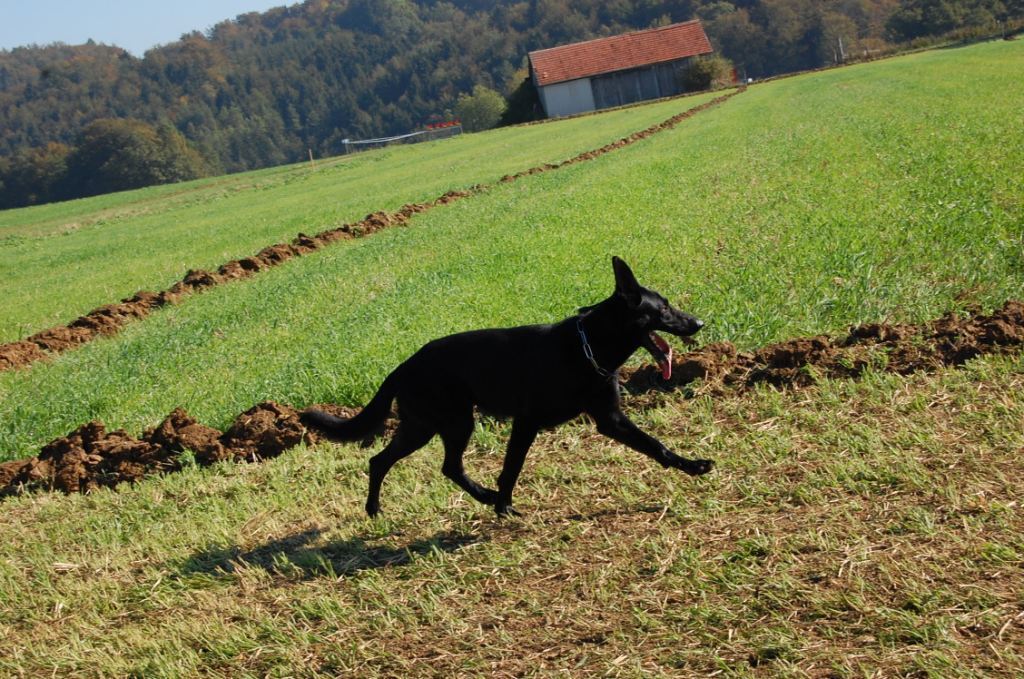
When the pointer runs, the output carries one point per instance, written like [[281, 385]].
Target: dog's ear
[[626, 284]]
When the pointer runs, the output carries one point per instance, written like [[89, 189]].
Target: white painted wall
[[565, 99]]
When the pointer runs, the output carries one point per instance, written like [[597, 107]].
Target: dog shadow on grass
[[300, 556]]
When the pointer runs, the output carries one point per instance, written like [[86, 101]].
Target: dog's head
[[650, 313]]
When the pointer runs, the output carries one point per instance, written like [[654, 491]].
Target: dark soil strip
[[902, 349], [109, 319], [91, 457]]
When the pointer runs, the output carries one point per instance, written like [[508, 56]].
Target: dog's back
[[508, 372]]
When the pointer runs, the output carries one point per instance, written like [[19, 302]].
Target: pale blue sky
[[135, 25]]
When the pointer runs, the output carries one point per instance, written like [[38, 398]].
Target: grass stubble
[[852, 528]]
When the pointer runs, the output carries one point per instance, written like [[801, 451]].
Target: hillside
[[264, 89], [106, 248], [859, 522]]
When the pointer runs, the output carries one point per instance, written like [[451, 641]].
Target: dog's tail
[[365, 425]]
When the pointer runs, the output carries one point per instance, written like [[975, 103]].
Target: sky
[[135, 25]]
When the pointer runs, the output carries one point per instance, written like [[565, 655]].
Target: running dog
[[538, 375]]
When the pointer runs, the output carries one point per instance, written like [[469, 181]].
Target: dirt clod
[[265, 430], [90, 457], [86, 459], [179, 432], [17, 354]]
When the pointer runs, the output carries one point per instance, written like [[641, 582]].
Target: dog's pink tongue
[[666, 363]]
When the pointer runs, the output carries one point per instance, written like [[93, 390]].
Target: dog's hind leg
[[456, 436], [409, 438], [523, 434]]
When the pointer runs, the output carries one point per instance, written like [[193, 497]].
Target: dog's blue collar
[[588, 352]]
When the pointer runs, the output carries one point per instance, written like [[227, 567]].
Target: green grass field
[[62, 260], [877, 192], [852, 529]]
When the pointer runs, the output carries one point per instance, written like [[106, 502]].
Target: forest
[[264, 89]]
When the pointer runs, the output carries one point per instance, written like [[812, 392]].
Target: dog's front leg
[[523, 434], [614, 424]]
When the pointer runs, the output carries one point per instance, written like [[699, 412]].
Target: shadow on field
[[299, 557]]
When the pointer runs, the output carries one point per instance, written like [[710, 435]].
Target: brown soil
[[90, 457], [901, 349], [109, 319]]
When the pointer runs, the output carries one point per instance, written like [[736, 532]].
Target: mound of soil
[[902, 349], [265, 430], [90, 457], [179, 432], [20, 353]]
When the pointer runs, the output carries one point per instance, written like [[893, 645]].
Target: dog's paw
[[697, 467], [504, 511]]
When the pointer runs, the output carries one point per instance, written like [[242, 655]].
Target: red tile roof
[[619, 52]]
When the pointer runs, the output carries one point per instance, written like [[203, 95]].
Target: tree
[[916, 18], [837, 35], [33, 176], [121, 154], [735, 34], [480, 110], [705, 73], [523, 102], [711, 11]]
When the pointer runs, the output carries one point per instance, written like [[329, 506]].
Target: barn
[[621, 69]]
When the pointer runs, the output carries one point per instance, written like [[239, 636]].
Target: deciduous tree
[[120, 154], [480, 110]]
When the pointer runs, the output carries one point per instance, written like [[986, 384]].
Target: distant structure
[[622, 69], [452, 128]]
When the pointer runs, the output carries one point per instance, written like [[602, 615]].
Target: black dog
[[539, 375]]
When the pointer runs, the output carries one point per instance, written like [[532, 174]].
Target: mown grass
[[853, 529], [888, 191], [62, 260]]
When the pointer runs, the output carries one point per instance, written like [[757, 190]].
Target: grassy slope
[[854, 529], [885, 191], [62, 260], [850, 529]]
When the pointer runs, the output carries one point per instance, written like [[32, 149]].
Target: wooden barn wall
[[628, 87]]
